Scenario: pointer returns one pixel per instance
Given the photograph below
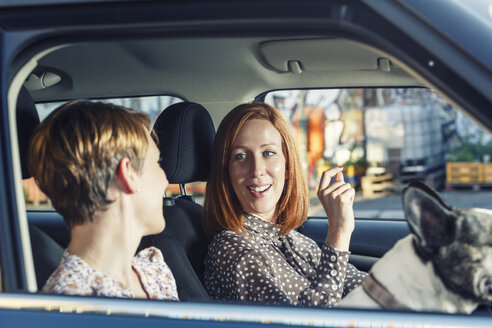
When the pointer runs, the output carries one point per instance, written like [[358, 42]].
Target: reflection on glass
[[384, 138]]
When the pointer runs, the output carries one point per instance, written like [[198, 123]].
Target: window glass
[[36, 200], [153, 105], [385, 137]]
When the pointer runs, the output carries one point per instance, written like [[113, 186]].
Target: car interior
[[212, 75], [220, 74]]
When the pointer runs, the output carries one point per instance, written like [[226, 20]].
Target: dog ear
[[429, 217]]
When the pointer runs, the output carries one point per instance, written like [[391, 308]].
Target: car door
[[28, 28]]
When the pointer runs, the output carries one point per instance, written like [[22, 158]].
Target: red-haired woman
[[256, 196]]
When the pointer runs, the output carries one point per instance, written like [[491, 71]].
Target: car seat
[[186, 134], [45, 251]]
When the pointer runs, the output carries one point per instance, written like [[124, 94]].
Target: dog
[[444, 265]]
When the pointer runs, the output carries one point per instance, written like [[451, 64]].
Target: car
[[223, 53]]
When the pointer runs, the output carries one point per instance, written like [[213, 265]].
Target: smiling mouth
[[258, 191]]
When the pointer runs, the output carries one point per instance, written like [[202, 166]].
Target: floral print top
[[75, 277], [266, 267]]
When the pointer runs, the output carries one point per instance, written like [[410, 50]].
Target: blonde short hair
[[76, 150], [222, 210]]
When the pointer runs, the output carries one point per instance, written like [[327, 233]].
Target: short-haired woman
[[256, 196], [100, 168]]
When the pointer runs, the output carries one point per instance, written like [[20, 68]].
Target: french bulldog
[[444, 265]]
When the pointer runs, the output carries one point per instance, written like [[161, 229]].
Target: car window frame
[[6, 194]]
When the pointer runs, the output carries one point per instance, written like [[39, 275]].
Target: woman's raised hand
[[337, 200]]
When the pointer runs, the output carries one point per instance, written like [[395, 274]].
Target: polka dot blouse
[[266, 267]]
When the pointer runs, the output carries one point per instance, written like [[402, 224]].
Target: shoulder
[[229, 244], [151, 258], [150, 254], [71, 277], [160, 283], [229, 250], [229, 241]]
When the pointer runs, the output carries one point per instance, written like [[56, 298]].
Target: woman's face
[[153, 183], [257, 168]]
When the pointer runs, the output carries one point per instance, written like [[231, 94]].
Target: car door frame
[[352, 20]]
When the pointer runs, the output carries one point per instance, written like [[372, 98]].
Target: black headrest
[[27, 121], [186, 136]]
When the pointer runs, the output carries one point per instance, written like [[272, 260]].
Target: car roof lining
[[211, 70]]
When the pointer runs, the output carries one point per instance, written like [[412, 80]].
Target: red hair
[[222, 210]]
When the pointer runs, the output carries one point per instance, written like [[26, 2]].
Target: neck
[[415, 283], [108, 244], [265, 217]]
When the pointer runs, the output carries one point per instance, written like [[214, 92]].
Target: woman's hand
[[337, 200]]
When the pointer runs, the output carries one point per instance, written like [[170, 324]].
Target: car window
[[154, 105], [384, 138]]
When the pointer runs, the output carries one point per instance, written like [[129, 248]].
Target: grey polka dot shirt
[[266, 267]]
